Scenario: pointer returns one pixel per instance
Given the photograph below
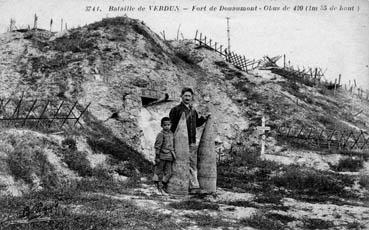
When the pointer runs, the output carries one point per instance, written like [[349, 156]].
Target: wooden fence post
[[42, 113], [70, 112], [85, 109], [288, 133], [364, 144], [29, 112], [35, 22], [348, 138], [56, 113], [245, 62], [51, 24], [298, 135]]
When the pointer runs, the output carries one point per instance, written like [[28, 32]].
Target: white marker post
[[262, 130]]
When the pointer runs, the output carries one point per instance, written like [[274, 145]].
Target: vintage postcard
[[191, 114]]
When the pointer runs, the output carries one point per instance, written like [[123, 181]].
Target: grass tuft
[[194, 205], [77, 161], [364, 181], [311, 181], [208, 221], [355, 225], [283, 218], [262, 222], [317, 224], [30, 163], [351, 164], [94, 212]]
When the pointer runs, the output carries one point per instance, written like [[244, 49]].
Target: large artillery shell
[[207, 161], [179, 182]]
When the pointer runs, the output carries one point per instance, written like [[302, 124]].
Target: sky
[[335, 40]]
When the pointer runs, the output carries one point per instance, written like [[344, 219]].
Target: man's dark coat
[[192, 118]]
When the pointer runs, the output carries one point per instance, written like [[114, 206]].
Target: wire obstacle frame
[[45, 114]]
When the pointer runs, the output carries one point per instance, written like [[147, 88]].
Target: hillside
[[123, 78]]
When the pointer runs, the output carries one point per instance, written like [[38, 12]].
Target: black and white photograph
[[191, 114]]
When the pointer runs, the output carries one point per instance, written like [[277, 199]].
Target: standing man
[[193, 121]]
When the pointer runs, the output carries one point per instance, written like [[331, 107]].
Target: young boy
[[164, 154]]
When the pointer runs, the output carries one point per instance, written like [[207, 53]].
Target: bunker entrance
[[147, 100]]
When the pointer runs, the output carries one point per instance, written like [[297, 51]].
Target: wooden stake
[[245, 62], [29, 112], [35, 22], [51, 24], [228, 35], [178, 31]]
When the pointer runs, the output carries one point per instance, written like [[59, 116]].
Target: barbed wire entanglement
[[310, 76], [354, 91], [240, 61], [41, 114], [314, 77], [326, 138]]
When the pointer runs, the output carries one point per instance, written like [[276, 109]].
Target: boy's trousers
[[194, 183], [163, 170]]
